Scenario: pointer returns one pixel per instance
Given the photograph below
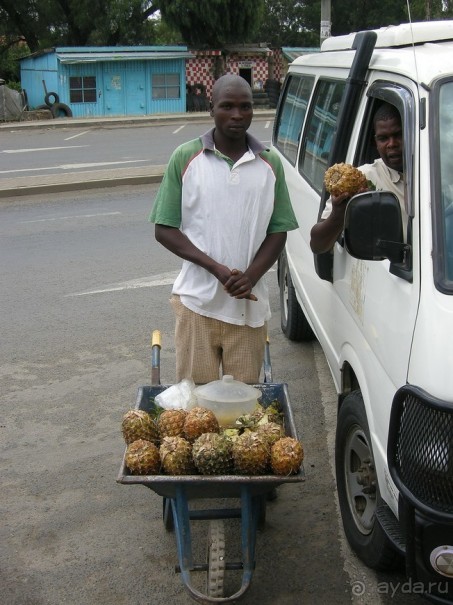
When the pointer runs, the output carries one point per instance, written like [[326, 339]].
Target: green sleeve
[[167, 205], [283, 217]]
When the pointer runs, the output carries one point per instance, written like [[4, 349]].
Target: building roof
[[91, 54], [248, 49], [291, 53]]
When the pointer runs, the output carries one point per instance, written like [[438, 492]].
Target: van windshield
[[445, 127]]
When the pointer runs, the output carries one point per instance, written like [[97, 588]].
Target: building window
[[82, 89], [166, 86]]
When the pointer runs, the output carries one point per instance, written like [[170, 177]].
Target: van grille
[[421, 448]]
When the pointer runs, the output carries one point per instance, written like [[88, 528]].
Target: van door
[[380, 299]]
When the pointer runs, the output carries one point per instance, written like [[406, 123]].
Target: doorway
[[246, 73]]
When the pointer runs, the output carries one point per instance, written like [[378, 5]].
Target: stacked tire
[[272, 87], [57, 109]]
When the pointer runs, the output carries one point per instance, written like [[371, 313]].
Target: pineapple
[[212, 454], [198, 421], [176, 456], [142, 458], [287, 455], [271, 430], [344, 178], [171, 423], [251, 454], [138, 424]]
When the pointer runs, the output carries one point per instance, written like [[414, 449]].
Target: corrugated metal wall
[[123, 87], [39, 74]]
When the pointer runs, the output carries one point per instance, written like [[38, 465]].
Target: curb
[[106, 122], [80, 181]]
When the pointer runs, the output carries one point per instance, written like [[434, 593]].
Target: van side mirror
[[373, 227]]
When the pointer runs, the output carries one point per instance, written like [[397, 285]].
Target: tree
[[213, 23], [289, 23], [78, 22]]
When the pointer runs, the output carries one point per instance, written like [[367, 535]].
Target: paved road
[[83, 285], [67, 154]]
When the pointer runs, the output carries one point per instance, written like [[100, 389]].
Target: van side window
[[446, 181], [292, 115], [319, 131]]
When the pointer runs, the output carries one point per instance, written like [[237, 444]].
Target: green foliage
[[351, 16], [198, 23], [50, 23], [213, 23], [10, 53], [422, 10], [289, 23]]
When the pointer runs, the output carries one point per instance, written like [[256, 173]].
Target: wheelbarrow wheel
[[216, 558], [167, 514]]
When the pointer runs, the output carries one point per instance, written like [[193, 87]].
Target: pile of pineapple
[[180, 442]]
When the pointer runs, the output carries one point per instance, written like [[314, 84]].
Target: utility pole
[[325, 20]]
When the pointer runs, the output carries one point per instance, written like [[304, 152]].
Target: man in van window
[[224, 208], [386, 174]]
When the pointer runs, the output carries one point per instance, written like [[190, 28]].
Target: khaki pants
[[203, 345]]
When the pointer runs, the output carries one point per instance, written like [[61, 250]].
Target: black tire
[[167, 514], [292, 319], [60, 110], [51, 98], [358, 489], [215, 559]]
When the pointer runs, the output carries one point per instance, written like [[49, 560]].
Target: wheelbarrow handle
[[156, 345], [267, 365]]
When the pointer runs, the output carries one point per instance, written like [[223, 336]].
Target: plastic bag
[[178, 396]]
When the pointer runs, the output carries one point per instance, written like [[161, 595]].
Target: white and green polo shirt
[[226, 209]]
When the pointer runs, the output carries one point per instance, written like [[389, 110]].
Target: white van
[[380, 303]]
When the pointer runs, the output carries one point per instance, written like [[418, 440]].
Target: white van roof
[[421, 51], [405, 34]]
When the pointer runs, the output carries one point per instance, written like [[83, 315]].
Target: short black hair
[[386, 111]]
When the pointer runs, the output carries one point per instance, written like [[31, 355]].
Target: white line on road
[[73, 166], [178, 129], [267, 124], [74, 136], [163, 279], [43, 149], [64, 218]]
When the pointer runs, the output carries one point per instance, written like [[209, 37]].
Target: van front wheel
[[293, 321], [358, 489]]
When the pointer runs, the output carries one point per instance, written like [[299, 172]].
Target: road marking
[[74, 136], [357, 572], [163, 279], [178, 129], [43, 149], [64, 218], [267, 124], [73, 166]]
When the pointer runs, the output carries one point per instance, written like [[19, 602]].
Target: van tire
[[292, 319], [353, 460]]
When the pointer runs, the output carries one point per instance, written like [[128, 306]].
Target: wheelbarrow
[[178, 492]]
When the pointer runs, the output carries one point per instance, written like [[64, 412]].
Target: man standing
[[224, 208]]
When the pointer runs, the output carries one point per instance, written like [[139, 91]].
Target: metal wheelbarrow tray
[[178, 490]]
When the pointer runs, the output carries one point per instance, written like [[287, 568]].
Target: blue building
[[107, 81]]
